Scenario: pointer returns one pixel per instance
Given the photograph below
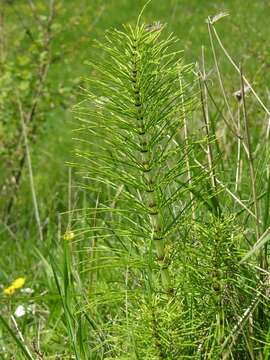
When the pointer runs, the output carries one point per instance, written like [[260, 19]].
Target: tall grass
[[168, 258]]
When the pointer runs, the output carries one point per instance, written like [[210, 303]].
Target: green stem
[[146, 154]]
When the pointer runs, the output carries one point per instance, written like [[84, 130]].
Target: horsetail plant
[[134, 111], [137, 115], [174, 283]]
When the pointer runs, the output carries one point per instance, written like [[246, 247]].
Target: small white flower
[[20, 311], [27, 291]]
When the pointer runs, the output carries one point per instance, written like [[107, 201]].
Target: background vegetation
[[46, 51]]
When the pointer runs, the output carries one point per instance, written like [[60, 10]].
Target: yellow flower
[[18, 283], [69, 235], [9, 290]]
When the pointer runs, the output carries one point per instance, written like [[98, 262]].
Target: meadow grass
[[105, 290]]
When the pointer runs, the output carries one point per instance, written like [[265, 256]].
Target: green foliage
[[164, 289], [166, 244], [137, 158]]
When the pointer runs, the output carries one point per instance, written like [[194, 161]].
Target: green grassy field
[[80, 276]]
